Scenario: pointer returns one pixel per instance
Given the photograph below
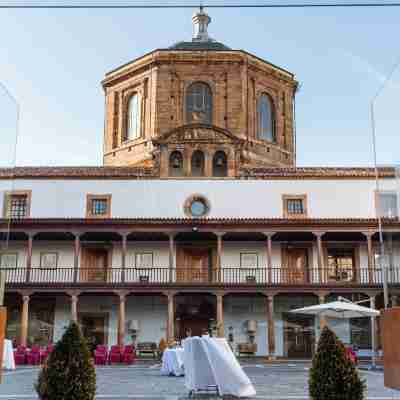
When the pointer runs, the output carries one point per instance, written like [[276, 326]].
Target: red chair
[[100, 355], [115, 354], [352, 355], [44, 354], [128, 355], [33, 356], [20, 355]]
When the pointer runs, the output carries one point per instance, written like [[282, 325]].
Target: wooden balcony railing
[[277, 276]]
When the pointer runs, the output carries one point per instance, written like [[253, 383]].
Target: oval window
[[196, 206]]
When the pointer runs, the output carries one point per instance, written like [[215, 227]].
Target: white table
[[8, 355], [210, 362], [172, 362]]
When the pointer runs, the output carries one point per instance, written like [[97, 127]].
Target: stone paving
[[143, 381]]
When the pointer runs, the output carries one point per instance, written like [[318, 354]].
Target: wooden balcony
[[65, 277]]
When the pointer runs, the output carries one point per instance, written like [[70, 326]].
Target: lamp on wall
[[133, 328]]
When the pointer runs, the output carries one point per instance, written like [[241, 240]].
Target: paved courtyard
[[143, 381]]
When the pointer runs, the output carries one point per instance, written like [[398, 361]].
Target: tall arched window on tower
[[133, 118], [266, 118], [197, 163], [199, 104], [176, 164], [220, 164]]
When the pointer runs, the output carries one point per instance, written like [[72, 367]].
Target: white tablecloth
[[210, 362], [172, 362], [8, 355]]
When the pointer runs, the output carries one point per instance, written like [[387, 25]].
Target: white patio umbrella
[[338, 309]]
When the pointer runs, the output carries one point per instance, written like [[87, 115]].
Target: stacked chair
[[20, 355], [33, 356], [101, 355]]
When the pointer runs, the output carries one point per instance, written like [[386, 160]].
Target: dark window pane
[[266, 119], [18, 206], [295, 206], [99, 206], [199, 103]]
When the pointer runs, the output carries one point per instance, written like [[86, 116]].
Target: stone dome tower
[[199, 109]]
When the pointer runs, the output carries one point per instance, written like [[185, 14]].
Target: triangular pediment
[[198, 133]]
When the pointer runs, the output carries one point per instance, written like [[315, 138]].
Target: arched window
[[220, 164], [176, 164], [199, 104], [198, 163], [134, 117], [266, 119]]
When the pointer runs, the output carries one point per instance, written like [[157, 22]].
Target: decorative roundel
[[196, 206]]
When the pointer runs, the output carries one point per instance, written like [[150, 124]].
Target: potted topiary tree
[[333, 376], [69, 373]]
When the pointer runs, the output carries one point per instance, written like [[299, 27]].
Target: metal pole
[[379, 217]]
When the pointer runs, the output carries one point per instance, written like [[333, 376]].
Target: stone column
[[269, 254], [121, 319], [218, 277], [29, 256], [322, 320], [220, 314], [24, 320], [74, 307], [171, 237], [320, 257], [374, 331], [270, 326], [371, 264], [171, 317], [77, 251], [124, 237]]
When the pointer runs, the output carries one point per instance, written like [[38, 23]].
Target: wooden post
[[271, 326], [3, 321], [371, 264], [74, 307], [220, 314], [322, 319], [269, 255], [171, 237], [121, 319], [29, 257], [320, 256], [24, 320], [219, 256], [171, 317], [123, 256], [77, 250]]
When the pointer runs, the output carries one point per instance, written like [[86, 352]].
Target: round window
[[196, 206]]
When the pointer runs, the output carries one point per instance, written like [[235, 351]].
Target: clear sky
[[52, 61]]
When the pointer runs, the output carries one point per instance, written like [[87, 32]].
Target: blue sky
[[53, 61]]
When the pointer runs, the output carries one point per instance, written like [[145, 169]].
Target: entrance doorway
[[194, 313], [299, 336], [94, 328], [94, 264], [297, 265], [193, 264]]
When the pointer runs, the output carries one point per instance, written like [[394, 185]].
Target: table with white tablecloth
[[210, 363], [172, 362], [8, 355]]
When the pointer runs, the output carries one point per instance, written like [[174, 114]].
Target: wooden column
[[123, 255], [219, 256], [24, 320], [74, 307], [220, 314], [270, 326], [121, 319], [320, 256], [269, 254], [29, 256], [171, 237], [171, 317], [371, 263], [77, 251], [322, 320]]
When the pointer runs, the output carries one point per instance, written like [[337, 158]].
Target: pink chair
[[101, 355], [44, 354], [20, 355], [33, 356], [128, 355], [115, 354]]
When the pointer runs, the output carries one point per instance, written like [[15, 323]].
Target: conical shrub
[[333, 376], [69, 373]]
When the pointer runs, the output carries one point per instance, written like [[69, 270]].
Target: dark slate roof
[[199, 46]]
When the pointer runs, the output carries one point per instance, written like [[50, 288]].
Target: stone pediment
[[198, 133]]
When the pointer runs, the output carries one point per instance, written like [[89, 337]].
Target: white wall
[[228, 198]]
